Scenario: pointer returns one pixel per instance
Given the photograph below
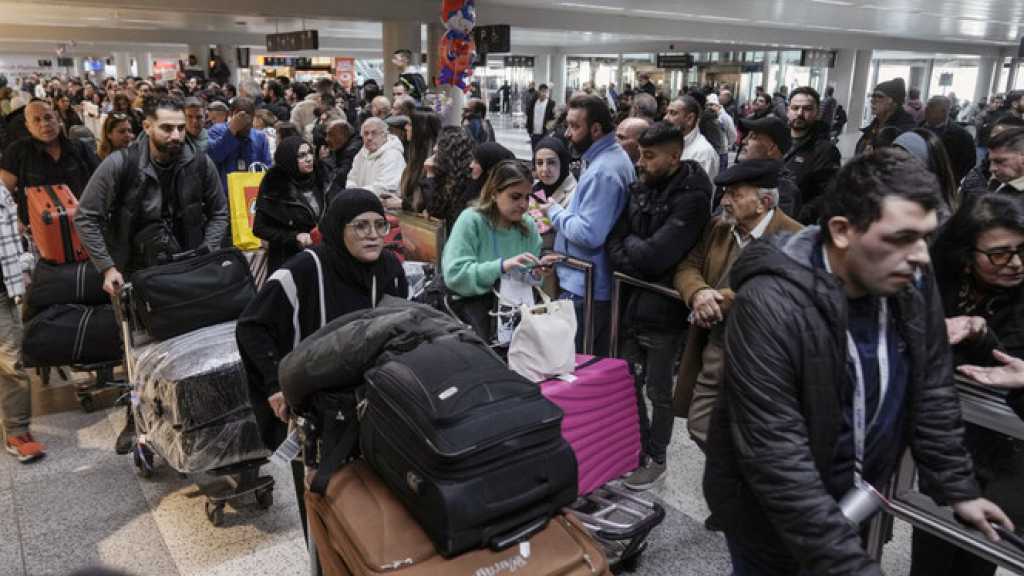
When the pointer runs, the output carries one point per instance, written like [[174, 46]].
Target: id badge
[[242, 167]]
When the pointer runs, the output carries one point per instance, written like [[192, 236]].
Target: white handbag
[[544, 343]]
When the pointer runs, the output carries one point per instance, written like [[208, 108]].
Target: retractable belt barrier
[[621, 279]]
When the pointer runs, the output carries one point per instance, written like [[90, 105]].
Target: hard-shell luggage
[[192, 293], [473, 450], [72, 283], [192, 401], [67, 334], [361, 529], [601, 422], [51, 210]]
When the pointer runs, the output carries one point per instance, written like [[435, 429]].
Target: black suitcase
[[193, 401], [72, 283], [67, 334], [193, 293], [472, 449]]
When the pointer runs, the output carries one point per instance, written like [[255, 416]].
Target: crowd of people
[[823, 303]]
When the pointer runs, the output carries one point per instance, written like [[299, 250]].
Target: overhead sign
[[818, 58], [519, 61], [493, 39], [345, 72], [293, 41], [677, 61]]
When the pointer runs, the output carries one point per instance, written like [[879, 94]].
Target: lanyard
[[860, 425]]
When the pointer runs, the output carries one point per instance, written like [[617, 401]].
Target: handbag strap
[[320, 281]]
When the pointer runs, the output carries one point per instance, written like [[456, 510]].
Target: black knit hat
[[895, 89]]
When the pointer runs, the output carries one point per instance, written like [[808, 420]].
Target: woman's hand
[[524, 260], [304, 239], [965, 328], [428, 166], [279, 406], [1009, 375], [391, 202]]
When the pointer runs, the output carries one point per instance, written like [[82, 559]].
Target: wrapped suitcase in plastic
[[360, 528]]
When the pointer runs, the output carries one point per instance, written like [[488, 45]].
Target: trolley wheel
[[87, 403], [215, 513], [142, 458], [629, 564], [265, 497]]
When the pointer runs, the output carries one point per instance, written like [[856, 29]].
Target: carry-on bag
[[473, 449], [361, 529], [243, 188], [66, 334], [72, 283], [192, 401], [544, 343], [192, 293], [601, 421], [51, 210]]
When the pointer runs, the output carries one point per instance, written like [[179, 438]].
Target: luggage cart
[[237, 483], [620, 521]]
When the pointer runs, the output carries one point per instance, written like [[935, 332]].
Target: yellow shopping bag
[[243, 187]]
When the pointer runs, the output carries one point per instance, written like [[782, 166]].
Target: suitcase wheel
[[86, 402], [265, 497], [215, 513], [142, 458]]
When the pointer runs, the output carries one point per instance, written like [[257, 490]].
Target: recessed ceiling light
[[663, 13], [834, 2], [722, 18], [592, 6]]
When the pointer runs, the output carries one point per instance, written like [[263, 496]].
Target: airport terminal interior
[[133, 481]]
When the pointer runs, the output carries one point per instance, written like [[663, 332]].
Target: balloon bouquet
[[458, 50]]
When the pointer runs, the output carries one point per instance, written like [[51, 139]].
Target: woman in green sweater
[[494, 238]]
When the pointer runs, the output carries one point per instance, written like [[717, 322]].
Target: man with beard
[[749, 211], [582, 228], [663, 220], [685, 112], [160, 181], [813, 159]]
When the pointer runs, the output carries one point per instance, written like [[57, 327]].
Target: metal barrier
[[621, 279], [983, 407]]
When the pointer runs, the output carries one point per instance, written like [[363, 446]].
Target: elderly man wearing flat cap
[[891, 119], [702, 279], [768, 138]]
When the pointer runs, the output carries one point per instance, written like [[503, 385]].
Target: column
[[399, 34], [1012, 76], [435, 31], [556, 75], [841, 77], [542, 69], [144, 64], [986, 74], [858, 90], [997, 77], [229, 54], [618, 74], [123, 62]]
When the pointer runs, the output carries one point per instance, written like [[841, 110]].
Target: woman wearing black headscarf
[[485, 157], [290, 202], [555, 183]]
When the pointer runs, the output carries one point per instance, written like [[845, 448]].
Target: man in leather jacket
[[837, 334]]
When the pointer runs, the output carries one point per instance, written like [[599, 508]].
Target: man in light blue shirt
[[600, 197]]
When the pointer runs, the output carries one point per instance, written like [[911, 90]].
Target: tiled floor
[[83, 505]]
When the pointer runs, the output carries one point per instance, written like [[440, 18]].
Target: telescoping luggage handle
[[621, 279], [588, 298]]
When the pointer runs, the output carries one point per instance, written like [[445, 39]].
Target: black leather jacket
[[774, 431]]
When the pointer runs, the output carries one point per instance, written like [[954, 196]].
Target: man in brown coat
[[702, 279]]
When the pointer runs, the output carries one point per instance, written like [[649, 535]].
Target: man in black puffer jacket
[[668, 208], [818, 319], [813, 159]]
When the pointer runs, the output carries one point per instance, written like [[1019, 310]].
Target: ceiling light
[[834, 2], [591, 6], [663, 13], [722, 18]]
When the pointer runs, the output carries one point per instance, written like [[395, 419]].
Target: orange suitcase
[[51, 210]]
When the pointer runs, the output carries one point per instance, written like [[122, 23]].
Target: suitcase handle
[[502, 542]]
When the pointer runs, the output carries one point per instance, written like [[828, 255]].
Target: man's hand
[[240, 122], [965, 328], [706, 309], [112, 280], [279, 406], [304, 239], [1010, 375], [981, 514]]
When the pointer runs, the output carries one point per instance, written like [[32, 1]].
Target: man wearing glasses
[[47, 157], [891, 119]]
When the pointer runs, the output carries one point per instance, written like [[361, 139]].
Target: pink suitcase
[[601, 421]]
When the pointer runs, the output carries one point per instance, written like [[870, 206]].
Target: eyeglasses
[[1001, 257], [364, 227]]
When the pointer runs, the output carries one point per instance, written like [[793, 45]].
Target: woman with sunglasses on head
[[348, 271], [290, 202], [117, 134], [978, 268]]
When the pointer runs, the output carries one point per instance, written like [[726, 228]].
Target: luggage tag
[[288, 450]]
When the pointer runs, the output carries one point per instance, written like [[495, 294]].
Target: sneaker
[[25, 448], [645, 476], [126, 439]]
